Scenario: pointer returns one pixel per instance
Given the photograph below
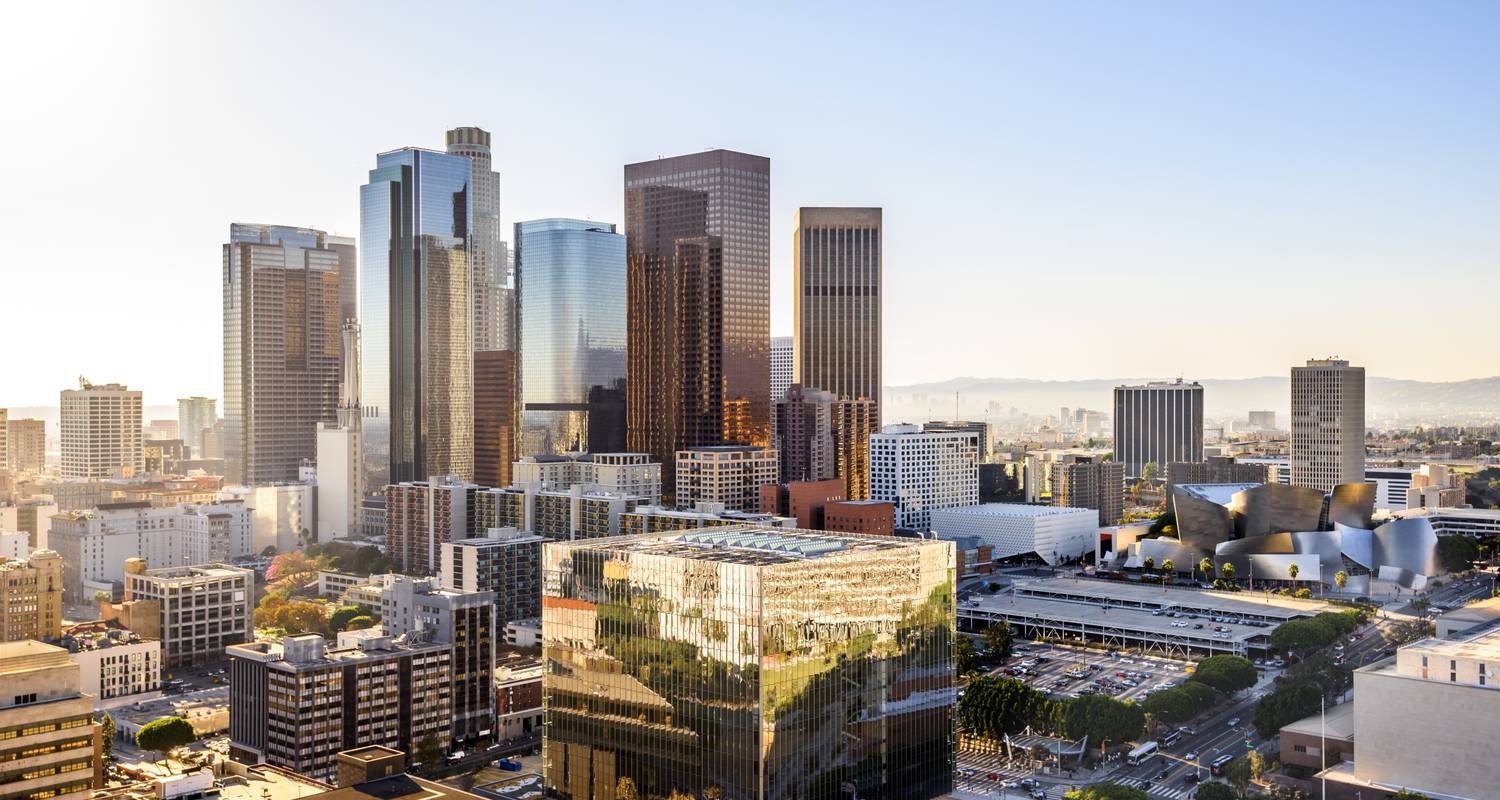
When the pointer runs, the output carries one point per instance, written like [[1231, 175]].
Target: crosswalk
[[1176, 791]]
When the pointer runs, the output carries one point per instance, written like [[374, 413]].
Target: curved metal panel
[[1326, 545], [1357, 544], [1274, 508], [1200, 523], [1352, 504], [1409, 544], [1183, 557]]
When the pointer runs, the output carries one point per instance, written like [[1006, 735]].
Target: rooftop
[[1253, 604], [1016, 510], [396, 787], [1337, 722], [1220, 493], [1480, 645], [746, 544]]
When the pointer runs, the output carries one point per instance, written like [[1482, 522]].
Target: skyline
[[1038, 173]]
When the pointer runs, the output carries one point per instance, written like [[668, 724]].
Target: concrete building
[[489, 267], [1055, 535], [1086, 483], [1328, 424], [1158, 423], [422, 515], [51, 747], [283, 353], [1320, 741], [836, 302], [803, 500], [32, 517], [1476, 522], [31, 597], [340, 454], [698, 263], [423, 609], [983, 430], [506, 563], [633, 474], [755, 613], [203, 608], [196, 415], [1214, 469], [874, 517], [115, 664], [518, 696], [26, 445], [296, 703], [822, 436], [96, 544], [570, 274], [728, 474], [283, 516], [495, 399], [918, 471], [100, 428], [581, 511], [415, 316], [657, 519], [782, 360], [14, 546]]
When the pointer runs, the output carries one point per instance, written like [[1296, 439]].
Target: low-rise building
[[332, 585], [49, 742], [115, 664], [803, 500], [875, 517], [1055, 535], [524, 632], [656, 519], [203, 609], [31, 592], [518, 696], [727, 474], [296, 703], [1319, 741]]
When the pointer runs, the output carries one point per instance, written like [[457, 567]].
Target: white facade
[[101, 432], [203, 609], [1328, 424], [280, 515], [782, 358], [338, 483], [728, 474], [1012, 529], [920, 471], [94, 544], [14, 545], [633, 474], [119, 669]]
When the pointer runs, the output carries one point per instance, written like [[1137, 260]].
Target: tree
[[964, 657], [1213, 790], [1299, 634], [360, 622], [993, 706], [1341, 579], [1257, 764], [998, 640], [1171, 706], [107, 734], [1206, 566], [429, 751], [1226, 571], [1292, 570], [1457, 553], [1149, 563], [101, 596], [165, 735], [339, 619], [277, 610], [1237, 772], [1106, 791], [1407, 794], [293, 571], [625, 789], [1226, 673], [1149, 471], [1102, 719], [1285, 706]]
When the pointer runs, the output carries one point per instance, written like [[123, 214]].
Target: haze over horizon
[[1179, 190]]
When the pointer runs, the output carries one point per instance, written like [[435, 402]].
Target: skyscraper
[[416, 365], [197, 414], [1158, 422], [820, 436], [1328, 424], [339, 460], [570, 274], [1083, 482], [836, 265], [283, 352], [494, 416], [100, 426], [749, 662], [781, 367], [698, 289], [489, 264], [26, 444]]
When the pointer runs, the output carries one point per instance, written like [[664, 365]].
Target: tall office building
[[782, 367], [1158, 422], [283, 352], [836, 265], [50, 747], [820, 436], [26, 445], [730, 474], [197, 414], [494, 416], [1328, 424], [748, 662], [699, 318], [570, 277], [415, 313], [489, 263], [339, 460], [101, 431], [919, 471], [1084, 482]]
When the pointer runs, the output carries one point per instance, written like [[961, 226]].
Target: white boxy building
[[1012, 529]]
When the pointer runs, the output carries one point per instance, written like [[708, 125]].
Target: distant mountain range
[[1386, 398]]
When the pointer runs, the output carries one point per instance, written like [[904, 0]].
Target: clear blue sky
[[1070, 189]]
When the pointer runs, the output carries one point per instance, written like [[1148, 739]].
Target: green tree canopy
[[1285, 706], [1226, 571], [1227, 673], [107, 734], [993, 706], [1213, 790], [1457, 553], [1172, 706], [965, 659], [1302, 634], [1102, 718], [165, 735], [339, 619], [998, 640], [1106, 791]]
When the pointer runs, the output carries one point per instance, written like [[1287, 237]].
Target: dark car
[[1190, 778]]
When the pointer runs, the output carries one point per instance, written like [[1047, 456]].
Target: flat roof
[[746, 544], [1134, 620], [1337, 722], [1483, 645], [1015, 510], [1232, 603]]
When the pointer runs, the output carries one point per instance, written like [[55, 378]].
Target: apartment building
[[96, 544], [728, 474], [114, 663], [506, 563], [31, 593], [918, 471], [633, 474], [203, 609]]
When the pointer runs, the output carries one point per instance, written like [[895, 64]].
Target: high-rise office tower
[[489, 264], [803, 664], [698, 290], [821, 436], [101, 431], [415, 312], [919, 471], [283, 353], [1158, 422], [1328, 424], [197, 414], [26, 444], [494, 416], [781, 367], [570, 274], [836, 265], [339, 460]]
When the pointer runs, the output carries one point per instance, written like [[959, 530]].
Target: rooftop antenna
[[956, 415]]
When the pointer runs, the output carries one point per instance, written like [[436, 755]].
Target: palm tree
[[1206, 566], [1149, 563], [1341, 579], [1292, 570], [1166, 572], [1226, 571]]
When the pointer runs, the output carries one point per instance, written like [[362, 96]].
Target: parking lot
[[1070, 671]]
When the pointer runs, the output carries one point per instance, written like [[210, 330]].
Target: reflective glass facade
[[836, 272], [570, 281], [415, 311], [745, 662]]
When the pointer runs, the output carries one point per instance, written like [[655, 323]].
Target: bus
[[1142, 754], [1170, 738], [1219, 764]]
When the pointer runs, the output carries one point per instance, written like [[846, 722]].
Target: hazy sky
[[1070, 189]]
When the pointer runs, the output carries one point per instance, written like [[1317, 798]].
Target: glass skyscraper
[[749, 663], [415, 312], [699, 372], [570, 280]]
